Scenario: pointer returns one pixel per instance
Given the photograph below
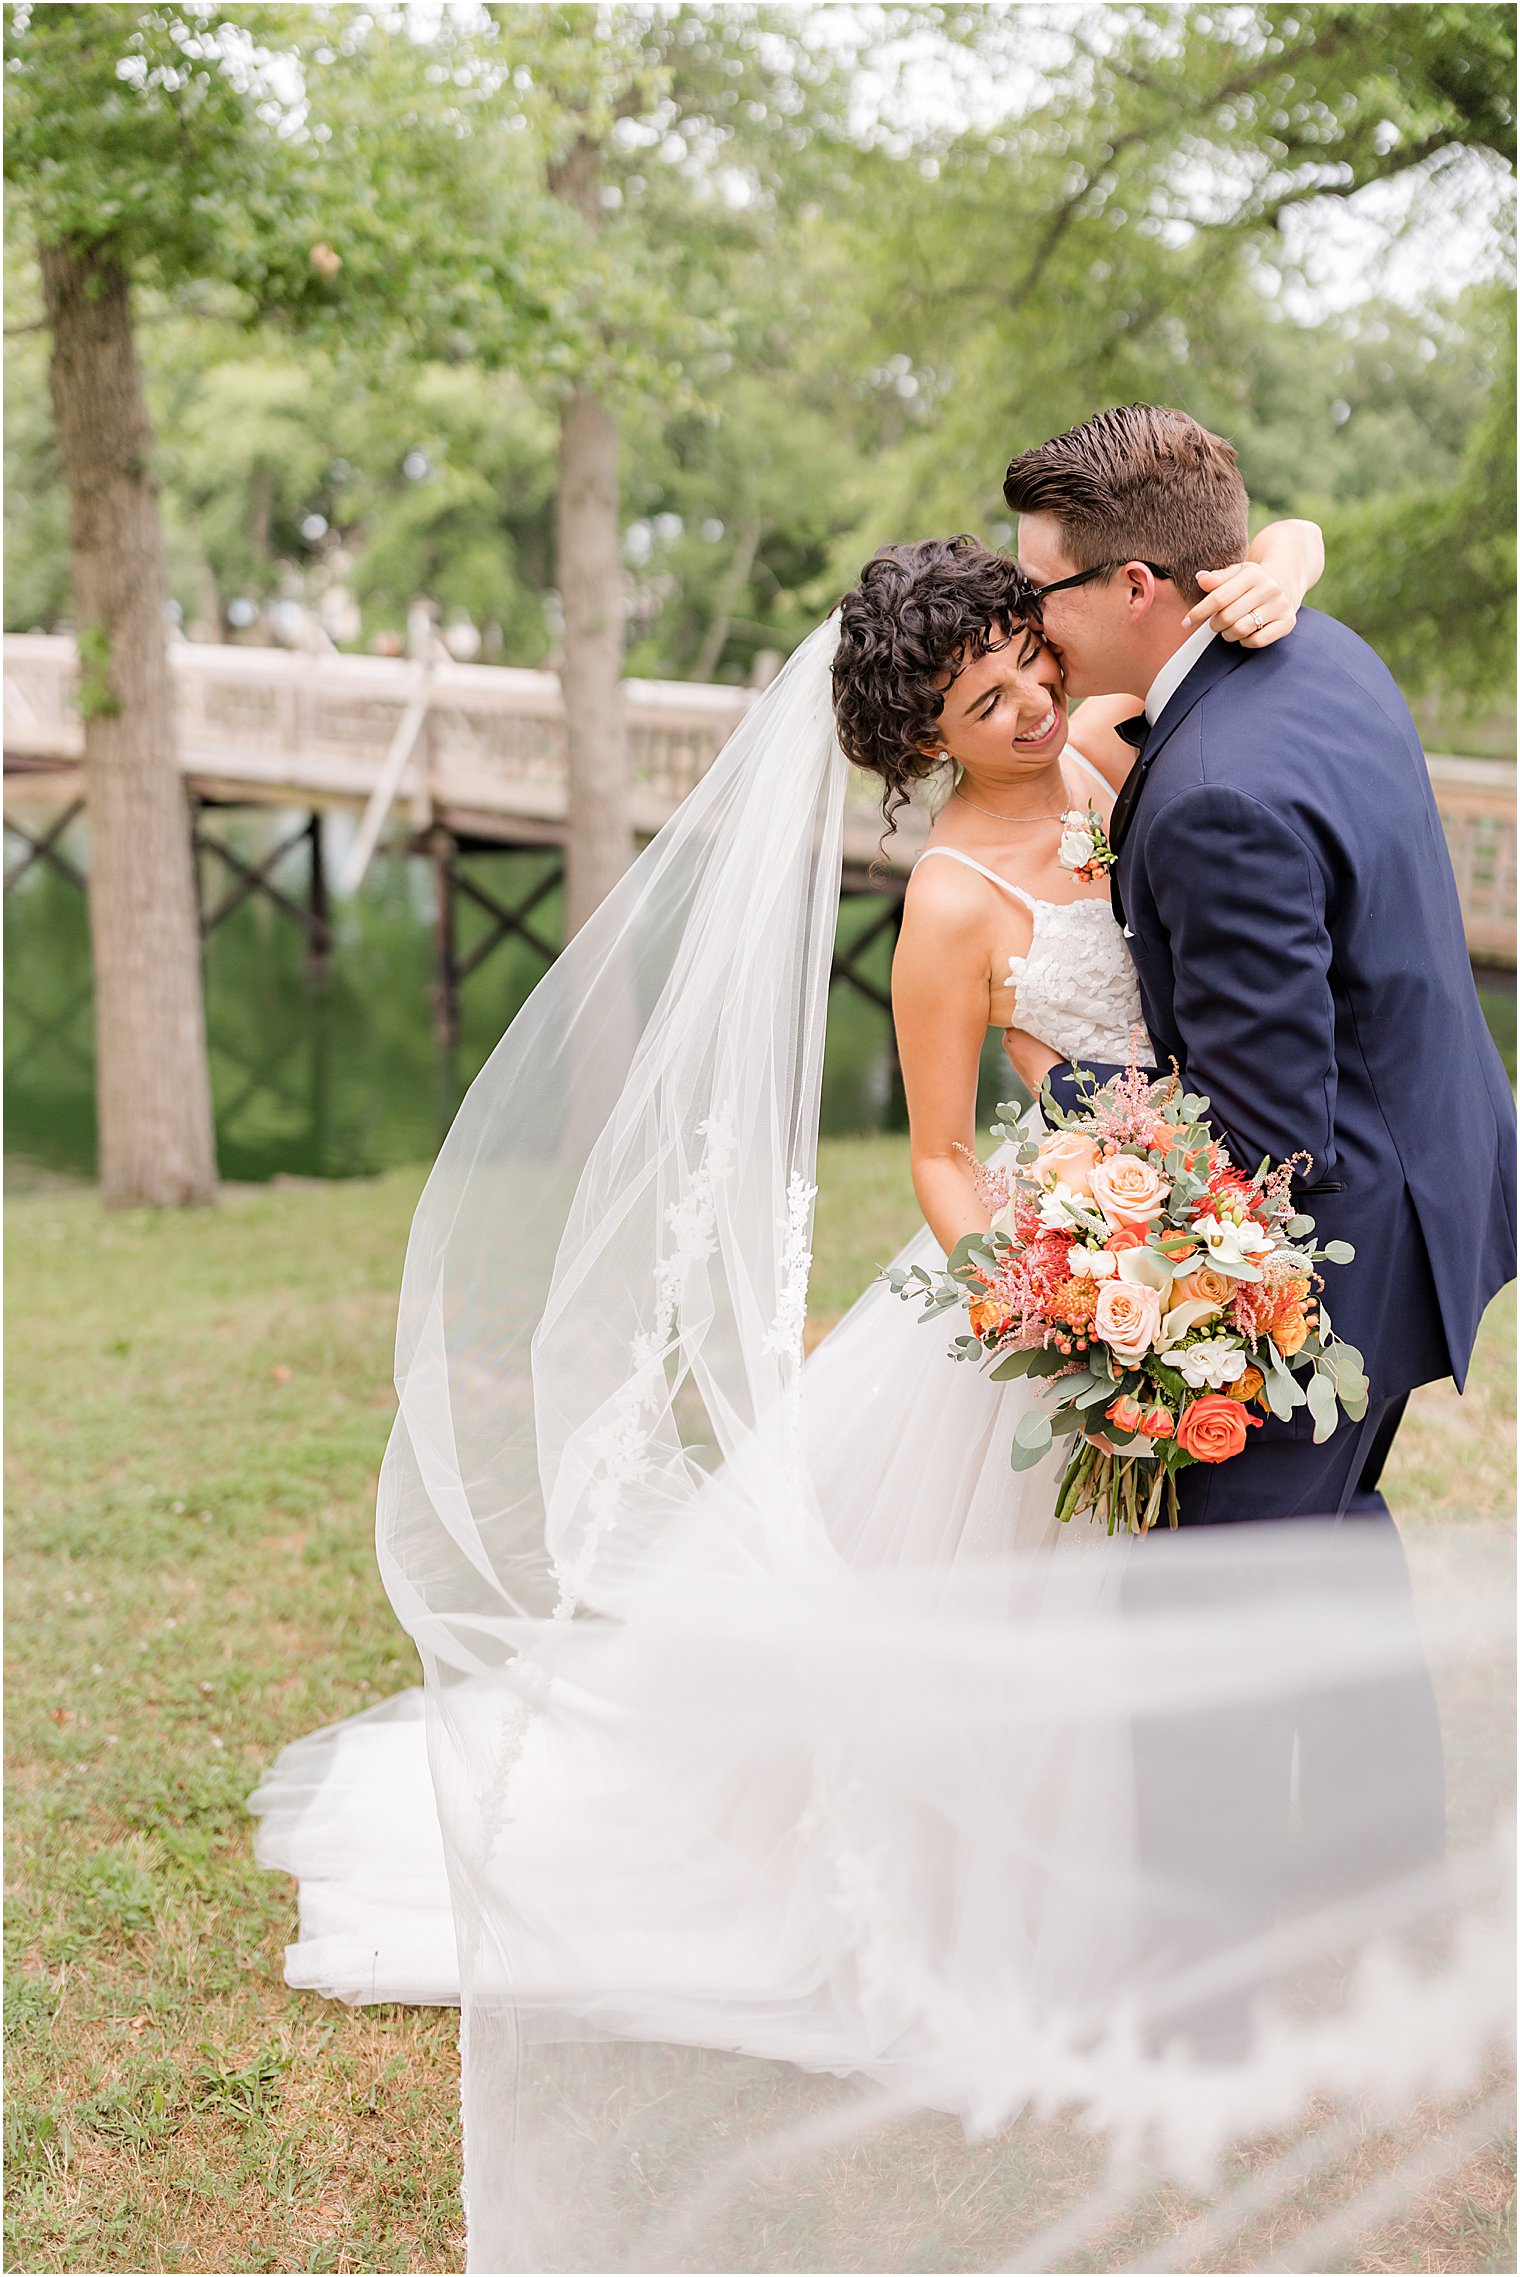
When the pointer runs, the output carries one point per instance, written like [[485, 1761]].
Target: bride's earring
[[944, 758]]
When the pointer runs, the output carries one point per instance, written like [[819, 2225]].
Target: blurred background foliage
[[848, 262]]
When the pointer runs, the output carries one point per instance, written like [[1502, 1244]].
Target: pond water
[[341, 1077]]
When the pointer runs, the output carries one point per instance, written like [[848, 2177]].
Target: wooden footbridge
[[445, 760]]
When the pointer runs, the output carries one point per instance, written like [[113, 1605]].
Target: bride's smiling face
[[1004, 719]]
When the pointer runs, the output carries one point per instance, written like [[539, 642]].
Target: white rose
[[1210, 1366], [1077, 848], [1092, 1264], [1234, 1249]]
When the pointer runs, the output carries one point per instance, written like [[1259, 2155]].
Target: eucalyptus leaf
[[1033, 1430], [1048, 1362], [1096, 1392], [1339, 1252], [1021, 1458], [1283, 1394], [1322, 1406]]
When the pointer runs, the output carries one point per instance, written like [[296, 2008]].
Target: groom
[[1288, 899], [1285, 889]]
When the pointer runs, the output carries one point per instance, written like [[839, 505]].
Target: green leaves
[[1031, 1440], [1322, 1405], [1284, 1394], [1339, 1252], [1344, 1365]]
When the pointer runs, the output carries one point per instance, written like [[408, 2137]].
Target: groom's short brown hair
[[1141, 483]]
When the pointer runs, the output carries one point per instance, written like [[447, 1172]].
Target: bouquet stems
[[1128, 1495]]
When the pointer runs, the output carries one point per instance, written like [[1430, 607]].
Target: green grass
[[198, 1409]]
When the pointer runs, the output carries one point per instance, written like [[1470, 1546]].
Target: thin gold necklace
[[958, 793]]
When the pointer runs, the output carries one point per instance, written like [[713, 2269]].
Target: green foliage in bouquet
[[1161, 1294]]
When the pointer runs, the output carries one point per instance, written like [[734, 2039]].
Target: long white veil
[[784, 1752]]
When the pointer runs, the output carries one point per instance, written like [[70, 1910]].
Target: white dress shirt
[[1175, 670]]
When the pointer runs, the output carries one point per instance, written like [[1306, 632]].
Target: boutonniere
[[1085, 850]]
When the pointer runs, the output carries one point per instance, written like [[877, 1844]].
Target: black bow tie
[[1133, 731]]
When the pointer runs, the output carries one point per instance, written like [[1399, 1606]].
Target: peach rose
[[1214, 1428], [1128, 1317], [989, 1317], [1157, 1423], [1067, 1157], [1128, 1191], [1205, 1283], [1290, 1332]]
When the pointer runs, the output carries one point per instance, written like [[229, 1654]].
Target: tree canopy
[[827, 303]]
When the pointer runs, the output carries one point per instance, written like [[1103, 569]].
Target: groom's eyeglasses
[[1032, 598]]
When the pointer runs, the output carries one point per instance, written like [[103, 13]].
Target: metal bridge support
[[312, 915], [452, 883], [846, 966], [45, 848]]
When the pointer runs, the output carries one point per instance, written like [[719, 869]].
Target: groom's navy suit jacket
[[1295, 926]]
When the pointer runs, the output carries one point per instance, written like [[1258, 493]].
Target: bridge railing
[[315, 729]]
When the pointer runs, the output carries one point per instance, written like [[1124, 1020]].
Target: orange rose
[[1126, 1414], [1290, 1331], [1246, 1386], [989, 1317], [1128, 1191], [1127, 1237], [1205, 1283], [1157, 1423], [1067, 1157], [1213, 1428]]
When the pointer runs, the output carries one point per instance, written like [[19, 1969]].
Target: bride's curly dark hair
[[917, 613]]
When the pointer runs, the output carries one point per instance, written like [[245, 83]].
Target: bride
[[766, 1805]]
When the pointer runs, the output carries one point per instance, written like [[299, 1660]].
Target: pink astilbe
[[993, 1185], [1276, 1187], [1129, 1107]]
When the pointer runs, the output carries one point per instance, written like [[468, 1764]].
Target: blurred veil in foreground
[[850, 1870]]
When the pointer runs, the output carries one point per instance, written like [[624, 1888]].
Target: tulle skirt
[[875, 1803]]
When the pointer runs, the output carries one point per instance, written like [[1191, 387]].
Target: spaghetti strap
[[953, 854], [1102, 781]]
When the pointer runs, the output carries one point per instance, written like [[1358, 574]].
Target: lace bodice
[[1075, 988]]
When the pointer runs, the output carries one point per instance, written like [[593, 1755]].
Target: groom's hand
[[1030, 1060]]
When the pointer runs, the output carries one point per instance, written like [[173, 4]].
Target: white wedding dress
[[771, 1789], [909, 1453]]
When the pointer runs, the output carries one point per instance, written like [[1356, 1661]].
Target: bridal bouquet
[[1161, 1293]]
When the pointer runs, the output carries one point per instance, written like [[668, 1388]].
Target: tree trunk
[[152, 1086], [599, 836]]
